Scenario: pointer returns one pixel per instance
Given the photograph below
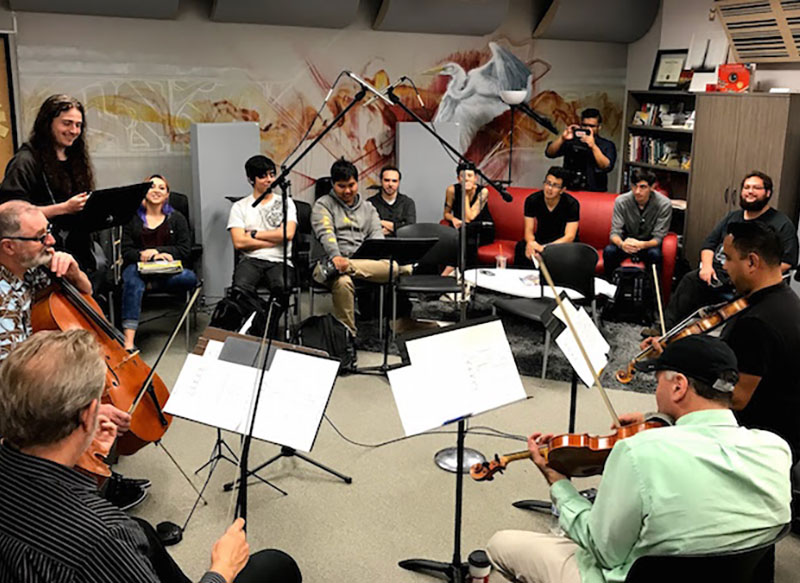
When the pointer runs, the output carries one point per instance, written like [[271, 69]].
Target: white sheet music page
[[296, 391], [455, 373], [596, 346], [214, 392]]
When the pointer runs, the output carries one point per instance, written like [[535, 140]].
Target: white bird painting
[[473, 99]]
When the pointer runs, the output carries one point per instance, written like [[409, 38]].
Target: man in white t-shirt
[[257, 234]]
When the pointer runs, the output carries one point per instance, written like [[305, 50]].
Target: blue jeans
[[133, 287], [613, 257]]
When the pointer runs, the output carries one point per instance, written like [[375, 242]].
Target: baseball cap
[[700, 357]]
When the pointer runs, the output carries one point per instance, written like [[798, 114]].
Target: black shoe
[[124, 495], [140, 482]]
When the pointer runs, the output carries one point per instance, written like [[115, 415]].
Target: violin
[[706, 320], [574, 455], [130, 384]]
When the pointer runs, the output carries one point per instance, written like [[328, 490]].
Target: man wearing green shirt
[[703, 485]]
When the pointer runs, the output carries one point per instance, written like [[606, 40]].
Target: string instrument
[[706, 319], [574, 455], [128, 379]]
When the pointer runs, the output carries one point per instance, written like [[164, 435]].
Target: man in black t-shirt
[[765, 336], [588, 157], [551, 217], [709, 284]]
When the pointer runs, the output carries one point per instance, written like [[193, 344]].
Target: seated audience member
[[342, 221], [654, 498], [157, 233], [640, 222], [257, 233], [476, 209], [53, 524], [709, 284], [551, 217], [394, 208], [587, 157]]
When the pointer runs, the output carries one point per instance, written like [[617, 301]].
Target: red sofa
[[594, 227]]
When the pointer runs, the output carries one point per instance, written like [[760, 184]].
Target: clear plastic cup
[[500, 261]]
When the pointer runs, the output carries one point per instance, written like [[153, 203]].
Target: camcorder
[[579, 133]]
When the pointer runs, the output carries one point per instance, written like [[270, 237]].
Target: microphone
[[392, 86], [539, 118], [504, 193], [368, 87]]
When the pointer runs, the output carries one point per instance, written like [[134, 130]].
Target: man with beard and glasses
[[710, 284], [28, 264]]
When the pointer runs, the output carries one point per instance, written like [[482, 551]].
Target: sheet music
[[213, 349], [455, 373], [593, 341], [220, 394]]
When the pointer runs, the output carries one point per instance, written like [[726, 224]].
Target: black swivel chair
[[426, 278], [753, 565], [571, 265]]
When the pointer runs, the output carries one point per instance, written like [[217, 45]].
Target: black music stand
[[403, 251], [112, 207]]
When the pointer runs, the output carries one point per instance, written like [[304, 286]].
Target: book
[[160, 267]]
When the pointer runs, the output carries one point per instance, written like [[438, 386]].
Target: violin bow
[[606, 401], [658, 299]]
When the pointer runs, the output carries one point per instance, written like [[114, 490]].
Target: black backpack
[[634, 300], [328, 334], [233, 310]]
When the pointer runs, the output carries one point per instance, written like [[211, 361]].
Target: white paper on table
[[296, 390], [453, 374], [594, 343]]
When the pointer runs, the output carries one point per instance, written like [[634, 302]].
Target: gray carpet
[[527, 342]]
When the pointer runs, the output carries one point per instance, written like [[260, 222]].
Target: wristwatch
[[253, 233]]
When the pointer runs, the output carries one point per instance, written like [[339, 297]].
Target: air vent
[[762, 31]]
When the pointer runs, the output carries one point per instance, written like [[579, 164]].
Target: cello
[[128, 379]]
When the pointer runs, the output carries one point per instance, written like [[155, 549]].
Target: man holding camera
[[586, 155]]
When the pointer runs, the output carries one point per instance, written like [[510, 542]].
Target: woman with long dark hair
[[52, 171]]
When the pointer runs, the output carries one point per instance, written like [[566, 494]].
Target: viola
[[130, 385], [571, 454], [709, 319]]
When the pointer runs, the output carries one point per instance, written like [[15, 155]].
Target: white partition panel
[[426, 166], [219, 151]]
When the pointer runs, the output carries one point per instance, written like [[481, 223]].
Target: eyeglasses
[[589, 125], [41, 238], [551, 185]]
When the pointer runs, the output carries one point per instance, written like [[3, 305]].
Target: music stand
[[404, 251], [481, 375], [112, 207]]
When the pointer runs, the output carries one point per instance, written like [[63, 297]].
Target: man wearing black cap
[[705, 484]]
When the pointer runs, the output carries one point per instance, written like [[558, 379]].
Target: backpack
[[234, 309], [329, 334], [634, 299]]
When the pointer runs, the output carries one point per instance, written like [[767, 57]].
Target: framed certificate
[[667, 69]]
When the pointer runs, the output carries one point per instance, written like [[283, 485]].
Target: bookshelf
[[649, 141]]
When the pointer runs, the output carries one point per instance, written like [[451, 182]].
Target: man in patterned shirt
[[25, 245]]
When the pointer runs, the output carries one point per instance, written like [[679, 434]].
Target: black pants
[[691, 294], [613, 257], [520, 259], [267, 566], [250, 273]]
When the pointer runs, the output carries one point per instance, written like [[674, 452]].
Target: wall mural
[[135, 117]]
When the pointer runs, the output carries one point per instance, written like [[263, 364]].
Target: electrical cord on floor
[[478, 430]]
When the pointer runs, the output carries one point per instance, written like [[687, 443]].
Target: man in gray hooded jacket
[[342, 221]]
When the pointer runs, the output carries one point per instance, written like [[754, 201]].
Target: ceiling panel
[[319, 13], [620, 21], [474, 17], [125, 8]]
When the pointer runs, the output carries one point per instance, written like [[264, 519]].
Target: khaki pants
[[343, 290], [533, 557]]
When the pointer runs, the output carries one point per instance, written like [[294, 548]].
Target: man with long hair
[[52, 170]]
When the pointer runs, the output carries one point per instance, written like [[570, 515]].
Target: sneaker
[[124, 495], [140, 482]]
